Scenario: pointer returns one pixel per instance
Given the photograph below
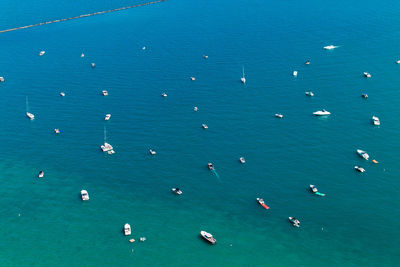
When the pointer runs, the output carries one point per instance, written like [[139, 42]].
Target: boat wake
[[216, 174]]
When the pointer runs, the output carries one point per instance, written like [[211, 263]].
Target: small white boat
[[208, 237], [41, 53], [398, 62], [330, 47], [243, 79], [278, 115], [210, 166], [106, 147], [309, 93], [62, 94], [205, 56], [152, 152], [242, 160], [195, 108], [107, 117], [57, 131], [41, 174], [307, 62], [82, 55], [359, 169], [164, 95], [177, 191], [295, 73], [363, 95], [142, 239], [204, 126], [2, 79], [192, 78], [93, 65], [30, 115], [143, 48], [367, 75], [321, 113], [362, 154], [295, 222], [104, 92], [84, 195], [127, 229], [376, 121]]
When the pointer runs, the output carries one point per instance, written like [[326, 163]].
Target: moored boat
[[279, 115], [210, 166], [362, 154], [106, 147], [152, 152], [41, 174], [62, 94], [93, 65], [164, 95], [359, 169], [204, 126], [41, 53], [376, 121], [127, 229], [242, 160], [295, 73], [262, 203], [314, 189], [321, 113], [330, 47], [208, 237], [367, 75], [177, 191], [107, 117], [307, 62], [57, 131], [295, 222], [104, 92], [309, 93], [363, 95], [84, 195]]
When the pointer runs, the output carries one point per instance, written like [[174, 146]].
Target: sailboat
[[29, 115], [106, 147], [243, 79]]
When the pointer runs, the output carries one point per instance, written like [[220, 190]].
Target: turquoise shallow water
[[356, 224]]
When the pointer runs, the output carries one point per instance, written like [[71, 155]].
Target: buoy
[[375, 161]]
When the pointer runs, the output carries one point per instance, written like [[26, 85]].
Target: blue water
[[44, 222]]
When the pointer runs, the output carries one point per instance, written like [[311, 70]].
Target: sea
[[45, 223]]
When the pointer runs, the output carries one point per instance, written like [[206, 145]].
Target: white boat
[[295, 222], [127, 229], [28, 114], [330, 47], [205, 56], [307, 62], [41, 174], [164, 95], [82, 55], [152, 152], [93, 65], [2, 79], [195, 108], [243, 79], [376, 121], [204, 126], [362, 154], [367, 75], [177, 191], [242, 160], [104, 92], [278, 115], [309, 93], [84, 195], [107, 117], [62, 94], [295, 73], [321, 113], [398, 61], [359, 169], [192, 78], [143, 48], [208, 237], [57, 131], [41, 53]]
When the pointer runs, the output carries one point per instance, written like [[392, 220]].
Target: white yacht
[[295, 73], [28, 114], [359, 169], [62, 94], [321, 113], [195, 108], [164, 95], [192, 78], [309, 93], [278, 115], [177, 191], [204, 126], [398, 61], [107, 117], [104, 92], [82, 55], [41, 53], [376, 121], [367, 75], [330, 47], [106, 147], [362, 154], [205, 56], [84, 195], [41, 174], [243, 79], [127, 229], [152, 152], [57, 131], [2, 79], [242, 160]]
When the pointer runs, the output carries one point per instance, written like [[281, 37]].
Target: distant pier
[[81, 16]]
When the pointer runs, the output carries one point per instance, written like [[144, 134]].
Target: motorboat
[[307, 62], [142, 239], [41, 53], [107, 117], [208, 237], [314, 189], [359, 169], [321, 113], [278, 115], [84, 195], [330, 47], [164, 95], [62, 94], [295, 222], [93, 65], [295, 73], [104, 92], [362, 154], [204, 126], [309, 93], [195, 108], [242, 160], [127, 229], [41, 174], [2, 79], [210, 166], [205, 56], [143, 48], [398, 61], [82, 55], [152, 152], [177, 191], [192, 78], [376, 121], [243, 79], [106, 147], [363, 95], [367, 75], [262, 203], [30, 115], [57, 131]]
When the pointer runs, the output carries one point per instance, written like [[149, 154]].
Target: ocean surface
[[45, 223]]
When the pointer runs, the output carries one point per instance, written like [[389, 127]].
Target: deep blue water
[[44, 222]]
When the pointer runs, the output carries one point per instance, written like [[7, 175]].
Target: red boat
[[262, 203]]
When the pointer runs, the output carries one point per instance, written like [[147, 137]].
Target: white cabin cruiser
[[104, 92], [279, 115], [359, 169], [106, 147], [376, 121], [295, 73], [367, 75], [309, 93], [362, 154], [84, 195], [62, 94], [242, 160], [208, 237], [107, 117], [321, 113], [330, 47], [177, 191], [41, 53], [127, 229]]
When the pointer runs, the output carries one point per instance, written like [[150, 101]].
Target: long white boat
[[330, 47], [321, 113], [208, 237], [127, 229], [84, 195], [362, 154], [376, 121]]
